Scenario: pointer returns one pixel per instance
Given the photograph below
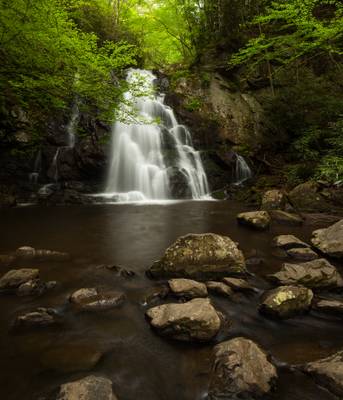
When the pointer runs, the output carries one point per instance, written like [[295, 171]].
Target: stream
[[141, 364]]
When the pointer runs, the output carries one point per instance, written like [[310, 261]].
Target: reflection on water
[[142, 365]]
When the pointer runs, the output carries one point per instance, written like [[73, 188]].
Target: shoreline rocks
[[200, 256], [330, 240], [259, 220], [187, 288]]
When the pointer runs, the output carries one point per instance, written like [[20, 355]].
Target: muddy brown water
[[142, 365]]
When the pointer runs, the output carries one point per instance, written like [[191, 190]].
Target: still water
[[142, 365]]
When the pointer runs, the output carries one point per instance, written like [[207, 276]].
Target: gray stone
[[330, 306], [255, 219], [286, 301], [238, 284], [16, 277], [313, 274], [196, 320], [219, 288], [287, 242], [330, 240], [92, 299], [200, 256], [187, 288], [34, 287], [286, 218], [273, 200], [40, 317], [240, 370], [88, 388], [302, 254]]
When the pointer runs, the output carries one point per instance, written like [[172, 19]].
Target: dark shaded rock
[[92, 299], [34, 287], [286, 301], [200, 256], [238, 284], [255, 219], [273, 200], [313, 274], [16, 277], [178, 184], [287, 242], [219, 288], [196, 320], [302, 254], [328, 372], [330, 306], [240, 370], [330, 240], [29, 253], [71, 358], [187, 288], [118, 270], [286, 218], [88, 388], [307, 197], [41, 317], [6, 260], [155, 295]]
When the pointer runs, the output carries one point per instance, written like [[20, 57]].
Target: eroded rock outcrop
[[286, 301], [196, 320], [330, 240], [240, 370], [200, 256]]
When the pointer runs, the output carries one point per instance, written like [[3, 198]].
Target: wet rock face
[[200, 256], [313, 274], [187, 288], [286, 301], [330, 240], [287, 242], [196, 320], [240, 370], [16, 277], [255, 219], [328, 372], [92, 299], [40, 317], [89, 388], [273, 200], [178, 184]]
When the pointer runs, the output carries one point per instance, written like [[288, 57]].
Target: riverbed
[[142, 365]]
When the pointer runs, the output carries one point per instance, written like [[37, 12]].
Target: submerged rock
[[200, 256], [88, 388], [273, 200], [238, 284], [6, 260], [302, 254], [286, 301], [118, 270], [91, 299], [38, 318], [196, 320], [219, 288], [187, 288], [330, 240], [254, 219], [240, 370], [313, 274], [30, 253], [328, 372], [286, 218], [16, 277], [287, 242], [34, 287]]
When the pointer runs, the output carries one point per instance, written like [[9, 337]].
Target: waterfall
[[34, 175], [54, 164], [138, 168], [242, 170], [72, 126]]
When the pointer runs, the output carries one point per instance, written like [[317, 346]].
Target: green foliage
[[193, 104], [330, 168]]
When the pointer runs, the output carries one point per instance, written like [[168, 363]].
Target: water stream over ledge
[[141, 364]]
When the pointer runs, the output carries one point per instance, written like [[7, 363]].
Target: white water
[[138, 170], [242, 170], [72, 126], [34, 175]]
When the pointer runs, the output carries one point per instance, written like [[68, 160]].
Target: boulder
[[40, 317], [196, 320], [29, 253], [238, 284], [302, 254], [330, 240], [16, 277], [330, 306], [273, 200], [155, 295], [219, 288], [240, 370], [92, 299], [328, 372], [307, 197], [200, 256], [88, 388], [286, 301], [187, 288], [287, 242], [255, 219], [285, 218], [313, 274], [34, 287]]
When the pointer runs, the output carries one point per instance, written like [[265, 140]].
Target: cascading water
[[242, 170], [72, 126], [34, 175], [138, 168]]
